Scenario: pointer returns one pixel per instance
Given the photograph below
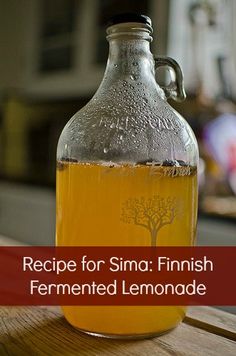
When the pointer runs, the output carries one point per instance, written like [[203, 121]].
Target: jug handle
[[175, 89]]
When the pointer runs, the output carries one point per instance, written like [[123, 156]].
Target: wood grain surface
[[44, 331]]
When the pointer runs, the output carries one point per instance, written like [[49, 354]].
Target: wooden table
[[43, 331]]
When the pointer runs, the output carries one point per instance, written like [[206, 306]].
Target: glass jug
[[127, 173]]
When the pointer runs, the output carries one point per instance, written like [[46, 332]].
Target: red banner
[[117, 276]]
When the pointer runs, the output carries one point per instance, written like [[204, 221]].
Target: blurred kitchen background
[[53, 55]]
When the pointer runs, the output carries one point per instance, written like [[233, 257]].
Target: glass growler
[[127, 173]]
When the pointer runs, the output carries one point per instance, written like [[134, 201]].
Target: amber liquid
[[96, 206]]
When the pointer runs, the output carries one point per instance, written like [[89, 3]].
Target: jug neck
[[130, 57]]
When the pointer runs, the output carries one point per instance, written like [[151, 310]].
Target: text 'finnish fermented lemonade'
[[127, 173]]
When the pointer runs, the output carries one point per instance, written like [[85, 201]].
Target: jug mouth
[[129, 17], [129, 24]]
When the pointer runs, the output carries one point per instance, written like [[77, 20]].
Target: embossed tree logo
[[151, 213]]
